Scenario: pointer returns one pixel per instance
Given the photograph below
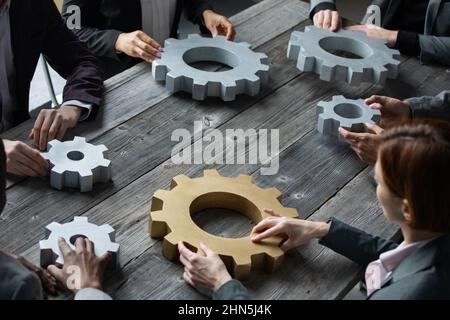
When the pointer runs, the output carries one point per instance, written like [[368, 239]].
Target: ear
[[407, 211]]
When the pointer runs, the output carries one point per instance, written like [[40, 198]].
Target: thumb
[[56, 272], [104, 259], [270, 212], [287, 245], [374, 128], [376, 99]]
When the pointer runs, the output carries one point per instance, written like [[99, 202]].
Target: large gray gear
[[377, 64], [346, 113], [103, 238], [249, 68], [77, 164]]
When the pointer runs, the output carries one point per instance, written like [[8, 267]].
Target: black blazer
[[37, 27], [423, 275], [102, 21]]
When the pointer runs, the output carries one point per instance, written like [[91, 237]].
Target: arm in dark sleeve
[[194, 10], [408, 43], [355, 244], [72, 60], [319, 5], [437, 107], [232, 290], [435, 49], [102, 43]]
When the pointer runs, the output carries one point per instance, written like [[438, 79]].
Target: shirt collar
[[392, 259]]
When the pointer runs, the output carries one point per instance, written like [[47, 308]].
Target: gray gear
[[103, 238], [346, 113], [377, 64], [249, 68], [77, 164]]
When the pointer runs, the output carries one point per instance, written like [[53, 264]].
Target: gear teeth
[[274, 192], [245, 44], [169, 42], [54, 143], [312, 54], [211, 173], [174, 222], [79, 139], [178, 75], [244, 178], [193, 36], [178, 181], [53, 227], [106, 228]]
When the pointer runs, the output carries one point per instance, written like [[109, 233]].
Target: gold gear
[[171, 219]]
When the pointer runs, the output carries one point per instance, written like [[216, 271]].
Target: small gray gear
[[346, 113], [77, 164], [249, 68], [103, 238], [312, 50]]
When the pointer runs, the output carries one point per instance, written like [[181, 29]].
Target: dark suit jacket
[[37, 27], [425, 274], [102, 21]]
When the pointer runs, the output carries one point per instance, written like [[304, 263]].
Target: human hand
[[24, 161], [298, 232], [81, 262], [53, 124], [392, 110], [364, 144], [373, 31], [203, 272], [137, 44], [218, 25], [328, 19]]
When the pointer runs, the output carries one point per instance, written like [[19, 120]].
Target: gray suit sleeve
[[437, 107], [232, 290], [91, 294], [315, 4], [435, 49], [355, 244]]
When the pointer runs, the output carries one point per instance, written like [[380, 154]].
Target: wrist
[[392, 38], [206, 14], [221, 280], [321, 230], [118, 45], [92, 285]]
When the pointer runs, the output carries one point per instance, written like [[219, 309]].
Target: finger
[[144, 37], [271, 212], [144, 55], [230, 30], [80, 245], [357, 27], [148, 49], [104, 259], [90, 248], [185, 262], [43, 138], [185, 252], [33, 159], [376, 99], [274, 231], [56, 272], [26, 167], [54, 129], [188, 280], [264, 225], [62, 132], [374, 128], [335, 21], [37, 126], [319, 23], [287, 245], [208, 252], [327, 19], [64, 247]]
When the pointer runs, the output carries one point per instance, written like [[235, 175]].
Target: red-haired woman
[[413, 189]]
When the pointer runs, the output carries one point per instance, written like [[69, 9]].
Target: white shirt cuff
[[87, 106], [91, 294]]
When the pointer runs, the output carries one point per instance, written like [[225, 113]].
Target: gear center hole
[[225, 214], [75, 155], [345, 47], [74, 238], [211, 59], [348, 111]]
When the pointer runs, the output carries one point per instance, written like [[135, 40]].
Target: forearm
[[408, 43], [355, 244], [194, 10], [435, 49], [429, 107], [232, 290]]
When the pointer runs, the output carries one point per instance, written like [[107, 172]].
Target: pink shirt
[[378, 272]]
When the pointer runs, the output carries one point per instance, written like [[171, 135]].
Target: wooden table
[[317, 176]]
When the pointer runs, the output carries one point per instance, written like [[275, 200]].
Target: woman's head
[[413, 175]]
